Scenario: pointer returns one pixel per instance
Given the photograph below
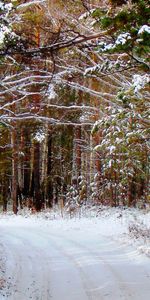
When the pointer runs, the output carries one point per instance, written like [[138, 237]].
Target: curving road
[[48, 262]]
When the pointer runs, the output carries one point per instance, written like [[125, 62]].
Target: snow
[[139, 81], [8, 6], [91, 69], [106, 47], [39, 136], [92, 255], [4, 31], [114, 222], [1, 5], [51, 92], [111, 161], [30, 3], [144, 28], [122, 38], [86, 14], [111, 149]]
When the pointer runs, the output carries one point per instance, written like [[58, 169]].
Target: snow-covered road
[[69, 260]]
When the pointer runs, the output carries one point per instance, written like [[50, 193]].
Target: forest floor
[[101, 253]]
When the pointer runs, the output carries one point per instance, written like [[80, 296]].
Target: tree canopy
[[74, 81]]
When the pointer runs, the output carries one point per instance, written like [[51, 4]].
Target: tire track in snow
[[56, 258], [130, 287], [49, 265], [27, 275], [93, 258]]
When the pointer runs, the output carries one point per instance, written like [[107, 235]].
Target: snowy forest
[[74, 103], [74, 150]]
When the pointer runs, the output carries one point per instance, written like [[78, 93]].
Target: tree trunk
[[4, 193], [77, 149], [37, 199], [14, 170], [49, 187]]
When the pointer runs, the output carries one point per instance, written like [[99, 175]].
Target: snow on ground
[[128, 225], [52, 241]]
